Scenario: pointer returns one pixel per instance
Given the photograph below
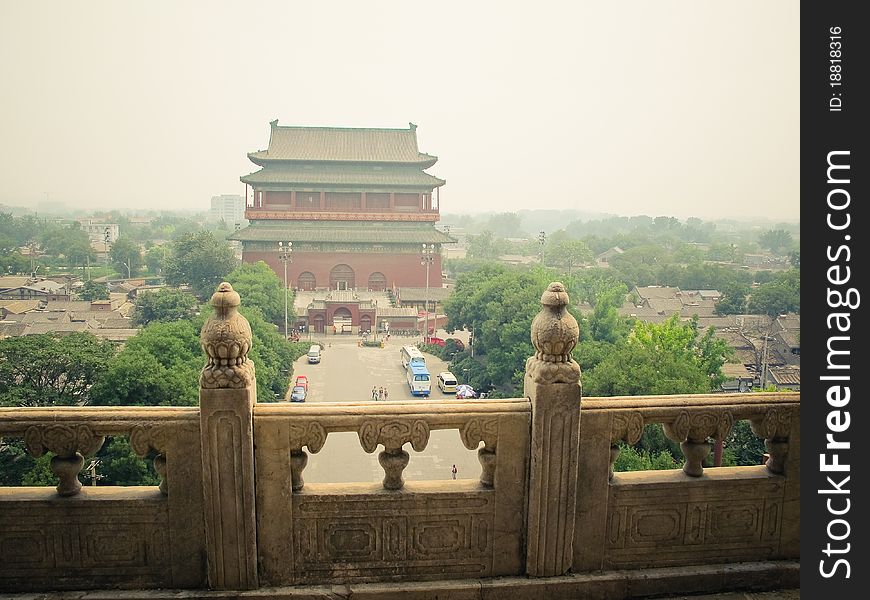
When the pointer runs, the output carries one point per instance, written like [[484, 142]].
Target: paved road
[[347, 373]]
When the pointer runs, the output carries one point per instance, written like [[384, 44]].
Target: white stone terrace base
[[606, 585]]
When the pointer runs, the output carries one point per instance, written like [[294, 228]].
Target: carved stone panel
[[693, 522], [348, 538], [82, 543]]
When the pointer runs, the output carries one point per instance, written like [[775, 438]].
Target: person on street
[[380, 393], [454, 471], [374, 393], [386, 393]]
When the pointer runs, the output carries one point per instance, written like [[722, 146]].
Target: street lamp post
[[284, 251], [427, 259], [107, 237]]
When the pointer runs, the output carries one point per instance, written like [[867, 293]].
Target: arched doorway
[[377, 282], [342, 313], [306, 281], [342, 277], [365, 323], [318, 324]]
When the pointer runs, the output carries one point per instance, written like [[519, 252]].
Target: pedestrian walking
[[386, 393], [374, 393], [380, 393], [454, 471]]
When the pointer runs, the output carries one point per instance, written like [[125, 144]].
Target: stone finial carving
[[691, 430], [226, 339], [70, 445], [393, 435], [554, 334]]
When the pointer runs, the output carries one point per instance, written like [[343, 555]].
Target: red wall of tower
[[403, 270]]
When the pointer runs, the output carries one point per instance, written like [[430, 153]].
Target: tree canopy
[[199, 260], [124, 253], [260, 288], [167, 304], [664, 358], [51, 369]]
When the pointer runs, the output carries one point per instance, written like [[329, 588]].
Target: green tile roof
[[347, 175], [379, 234], [343, 144]]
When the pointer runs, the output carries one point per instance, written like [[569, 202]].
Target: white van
[[447, 382], [314, 354]]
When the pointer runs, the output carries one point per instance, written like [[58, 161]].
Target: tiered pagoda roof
[[343, 145], [335, 174], [345, 232]]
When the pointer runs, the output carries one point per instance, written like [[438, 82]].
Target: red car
[[302, 381]]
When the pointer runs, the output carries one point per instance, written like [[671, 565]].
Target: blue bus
[[418, 379]]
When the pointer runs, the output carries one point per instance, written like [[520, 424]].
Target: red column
[[362, 202], [293, 199], [392, 200], [322, 200]]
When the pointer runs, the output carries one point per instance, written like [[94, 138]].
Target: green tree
[[777, 297], [119, 465], [51, 369], [776, 240], [155, 257], [159, 366], [91, 290], [126, 253], [665, 358], [733, 300], [632, 459], [505, 225], [163, 305], [485, 246], [260, 288], [568, 254], [200, 261], [498, 305]]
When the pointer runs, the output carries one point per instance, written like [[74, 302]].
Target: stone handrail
[[691, 419], [392, 425], [736, 514], [72, 433], [235, 513]]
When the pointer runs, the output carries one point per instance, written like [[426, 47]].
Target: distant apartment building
[[97, 230], [228, 207]]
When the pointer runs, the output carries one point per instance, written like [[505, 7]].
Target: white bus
[[418, 379], [411, 355]]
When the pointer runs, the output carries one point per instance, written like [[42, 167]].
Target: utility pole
[[284, 251], [427, 259]]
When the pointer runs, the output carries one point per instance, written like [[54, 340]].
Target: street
[[347, 373]]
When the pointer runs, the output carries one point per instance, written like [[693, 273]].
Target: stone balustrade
[[233, 511]]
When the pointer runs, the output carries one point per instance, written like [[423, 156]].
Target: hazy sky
[[682, 108]]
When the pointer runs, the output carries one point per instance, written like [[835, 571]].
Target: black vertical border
[[824, 130]]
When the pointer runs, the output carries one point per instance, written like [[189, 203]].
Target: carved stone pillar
[[691, 431], [228, 391], [70, 445], [774, 427], [393, 434], [552, 383]]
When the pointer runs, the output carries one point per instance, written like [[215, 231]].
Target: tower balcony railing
[[399, 213], [547, 516]]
